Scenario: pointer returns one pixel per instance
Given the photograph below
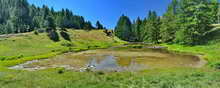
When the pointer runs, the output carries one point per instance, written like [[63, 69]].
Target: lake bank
[[116, 59], [209, 52]]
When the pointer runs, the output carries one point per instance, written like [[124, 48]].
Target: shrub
[[100, 73], [36, 32], [60, 70], [215, 65]]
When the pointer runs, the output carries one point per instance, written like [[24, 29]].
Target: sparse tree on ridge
[[99, 25]]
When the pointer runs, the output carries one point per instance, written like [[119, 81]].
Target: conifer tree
[[123, 29], [194, 22], [99, 25], [169, 23]]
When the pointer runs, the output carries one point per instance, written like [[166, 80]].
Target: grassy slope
[[17, 49], [60, 78]]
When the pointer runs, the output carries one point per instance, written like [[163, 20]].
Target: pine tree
[[152, 28], [23, 17], [99, 25], [194, 22], [88, 26], [169, 24], [50, 23], [137, 30], [213, 5], [123, 29]]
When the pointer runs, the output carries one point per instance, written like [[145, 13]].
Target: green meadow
[[32, 47], [48, 44]]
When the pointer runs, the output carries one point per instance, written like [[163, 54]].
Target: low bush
[[215, 65], [36, 32]]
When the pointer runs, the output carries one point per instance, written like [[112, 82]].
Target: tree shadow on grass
[[65, 35], [53, 35]]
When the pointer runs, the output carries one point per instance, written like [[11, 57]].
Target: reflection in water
[[109, 63]]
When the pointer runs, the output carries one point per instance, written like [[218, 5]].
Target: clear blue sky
[[107, 11]]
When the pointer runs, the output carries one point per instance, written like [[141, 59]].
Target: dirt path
[[13, 35]]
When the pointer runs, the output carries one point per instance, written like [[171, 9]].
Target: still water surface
[[117, 59]]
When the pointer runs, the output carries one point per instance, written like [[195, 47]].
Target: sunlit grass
[[60, 78], [18, 49], [210, 52]]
